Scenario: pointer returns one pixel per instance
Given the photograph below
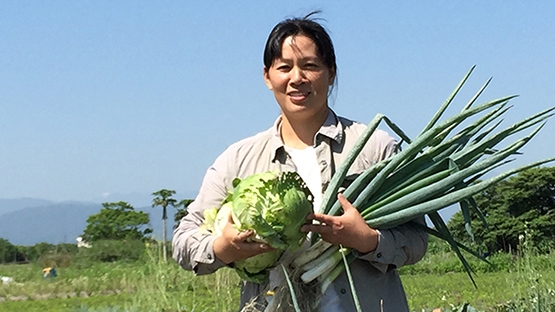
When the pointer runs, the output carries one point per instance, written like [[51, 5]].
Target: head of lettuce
[[272, 204]]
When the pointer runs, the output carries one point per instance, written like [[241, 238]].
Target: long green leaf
[[442, 228], [417, 145], [358, 185], [445, 238], [409, 189], [330, 193], [291, 290], [465, 210], [470, 131], [436, 204], [443, 107], [448, 130], [429, 191], [463, 156], [350, 279], [477, 210]]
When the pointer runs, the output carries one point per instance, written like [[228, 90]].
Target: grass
[[427, 291], [524, 283], [158, 286], [68, 304], [149, 284]]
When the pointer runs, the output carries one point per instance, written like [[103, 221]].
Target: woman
[[308, 137]]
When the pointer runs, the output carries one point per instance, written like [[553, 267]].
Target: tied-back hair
[[308, 26]]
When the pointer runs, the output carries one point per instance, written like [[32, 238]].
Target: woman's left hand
[[349, 229]]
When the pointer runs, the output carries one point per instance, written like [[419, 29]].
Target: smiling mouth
[[298, 96]]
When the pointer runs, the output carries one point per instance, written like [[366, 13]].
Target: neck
[[299, 132]]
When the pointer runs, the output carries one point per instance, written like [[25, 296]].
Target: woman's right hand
[[233, 245]]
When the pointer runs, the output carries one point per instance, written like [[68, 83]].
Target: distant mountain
[[9, 205], [54, 223], [63, 222]]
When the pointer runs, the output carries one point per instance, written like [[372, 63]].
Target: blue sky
[[128, 97]]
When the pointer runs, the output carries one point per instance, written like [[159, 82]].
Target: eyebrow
[[304, 58]]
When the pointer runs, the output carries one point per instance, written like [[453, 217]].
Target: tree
[[181, 211], [35, 251], [164, 199], [9, 252], [117, 221], [520, 205]]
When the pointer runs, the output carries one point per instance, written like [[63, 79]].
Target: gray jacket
[[376, 278]]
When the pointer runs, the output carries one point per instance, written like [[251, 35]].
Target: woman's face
[[299, 79]]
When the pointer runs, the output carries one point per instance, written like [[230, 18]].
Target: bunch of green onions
[[437, 169]]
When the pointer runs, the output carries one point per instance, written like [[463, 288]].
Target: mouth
[[297, 96]]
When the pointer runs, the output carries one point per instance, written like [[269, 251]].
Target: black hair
[[307, 26]]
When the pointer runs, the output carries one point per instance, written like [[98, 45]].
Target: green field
[[511, 283]]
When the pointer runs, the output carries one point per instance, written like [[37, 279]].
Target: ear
[[332, 78], [266, 74]]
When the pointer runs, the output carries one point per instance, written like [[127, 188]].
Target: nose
[[297, 76]]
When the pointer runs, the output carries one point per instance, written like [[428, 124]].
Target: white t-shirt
[[307, 167]]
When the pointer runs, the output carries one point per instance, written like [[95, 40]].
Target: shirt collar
[[332, 128]]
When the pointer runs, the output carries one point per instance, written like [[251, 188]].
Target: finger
[[345, 204], [323, 218], [242, 239], [243, 235], [255, 248], [317, 228]]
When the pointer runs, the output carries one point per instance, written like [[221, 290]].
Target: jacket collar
[[332, 128]]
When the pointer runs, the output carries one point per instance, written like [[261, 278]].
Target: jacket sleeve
[[400, 245], [192, 249]]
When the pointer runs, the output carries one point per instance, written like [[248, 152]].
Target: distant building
[[6, 280], [82, 243]]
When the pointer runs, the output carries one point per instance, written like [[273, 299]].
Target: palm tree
[[164, 199]]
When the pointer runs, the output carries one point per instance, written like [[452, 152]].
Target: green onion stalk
[[441, 166]]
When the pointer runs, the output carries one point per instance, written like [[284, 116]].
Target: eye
[[311, 65], [283, 67]]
